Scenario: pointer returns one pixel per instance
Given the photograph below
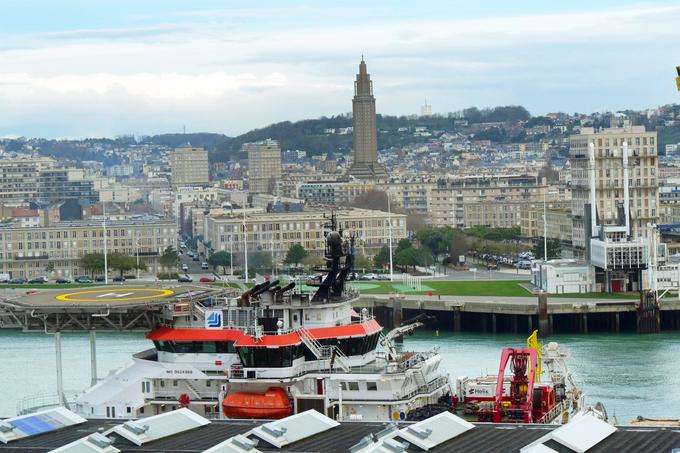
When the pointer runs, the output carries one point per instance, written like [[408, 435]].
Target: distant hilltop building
[[264, 165], [426, 109], [189, 166], [365, 138]]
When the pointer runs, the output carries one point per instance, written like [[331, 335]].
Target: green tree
[[403, 245], [362, 262], [435, 240], [259, 261], [123, 263], [92, 263], [220, 258], [410, 257], [169, 258], [295, 254], [382, 258], [49, 267], [554, 249]]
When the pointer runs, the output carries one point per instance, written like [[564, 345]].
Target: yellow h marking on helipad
[[106, 295]]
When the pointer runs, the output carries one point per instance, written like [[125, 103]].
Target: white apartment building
[[643, 177], [264, 165]]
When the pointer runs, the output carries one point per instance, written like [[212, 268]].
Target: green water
[[631, 374]]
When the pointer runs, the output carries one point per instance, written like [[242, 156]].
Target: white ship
[[273, 352]]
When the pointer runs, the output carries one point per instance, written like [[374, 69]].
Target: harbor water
[[631, 374]]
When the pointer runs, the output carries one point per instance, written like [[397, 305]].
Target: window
[[354, 386], [372, 386]]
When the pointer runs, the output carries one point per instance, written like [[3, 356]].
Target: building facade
[[189, 166], [41, 179], [264, 165], [29, 251], [365, 132], [643, 178], [493, 201], [276, 232]]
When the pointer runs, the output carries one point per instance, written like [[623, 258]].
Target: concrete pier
[[521, 314]]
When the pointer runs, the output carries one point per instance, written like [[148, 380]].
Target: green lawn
[[509, 288]]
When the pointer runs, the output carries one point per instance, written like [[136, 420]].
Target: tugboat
[[274, 351]]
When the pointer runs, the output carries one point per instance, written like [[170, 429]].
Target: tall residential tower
[[365, 139]]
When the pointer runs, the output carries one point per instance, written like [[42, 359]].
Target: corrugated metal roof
[[484, 438]]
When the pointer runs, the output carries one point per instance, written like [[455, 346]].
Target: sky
[[95, 68]]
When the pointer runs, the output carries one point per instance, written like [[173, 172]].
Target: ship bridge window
[[270, 357], [350, 346], [372, 386], [196, 347]]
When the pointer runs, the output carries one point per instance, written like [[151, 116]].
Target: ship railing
[[415, 359], [42, 401], [554, 412], [194, 394], [427, 388]]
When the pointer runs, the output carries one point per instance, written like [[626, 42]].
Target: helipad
[[115, 295]]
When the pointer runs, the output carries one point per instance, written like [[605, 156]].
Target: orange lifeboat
[[271, 404]]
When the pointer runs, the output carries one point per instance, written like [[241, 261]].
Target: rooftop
[[483, 438]]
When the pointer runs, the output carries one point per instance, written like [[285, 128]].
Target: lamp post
[[106, 262], [245, 246], [389, 220]]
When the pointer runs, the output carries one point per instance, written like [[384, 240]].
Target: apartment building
[[41, 179], [263, 231], [189, 166], [333, 192], [264, 165], [559, 223], [493, 201], [26, 251], [643, 177]]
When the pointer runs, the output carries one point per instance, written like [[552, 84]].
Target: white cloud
[[231, 76]]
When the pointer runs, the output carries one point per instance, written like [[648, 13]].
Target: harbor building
[[189, 166], [56, 250], [42, 179], [609, 181], [264, 165], [365, 133], [264, 231]]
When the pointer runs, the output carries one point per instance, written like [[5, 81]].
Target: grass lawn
[[509, 288]]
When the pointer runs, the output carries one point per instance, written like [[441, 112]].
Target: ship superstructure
[[273, 351]]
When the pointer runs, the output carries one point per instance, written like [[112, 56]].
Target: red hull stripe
[[240, 339]]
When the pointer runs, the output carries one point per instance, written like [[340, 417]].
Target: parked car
[[204, 265], [38, 280], [63, 280], [184, 279], [83, 279], [18, 281], [185, 267], [118, 278], [207, 279], [195, 258], [190, 253], [99, 278]]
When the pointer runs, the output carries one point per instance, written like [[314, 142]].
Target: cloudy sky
[[83, 68]]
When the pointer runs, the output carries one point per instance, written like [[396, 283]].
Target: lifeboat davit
[[272, 404]]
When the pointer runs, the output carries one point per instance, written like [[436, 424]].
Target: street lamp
[[545, 225], [389, 220]]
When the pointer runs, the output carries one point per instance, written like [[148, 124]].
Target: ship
[[539, 388], [275, 350]]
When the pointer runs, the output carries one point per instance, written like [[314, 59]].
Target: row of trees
[[93, 263]]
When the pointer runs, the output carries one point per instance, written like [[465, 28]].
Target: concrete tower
[[365, 139]]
